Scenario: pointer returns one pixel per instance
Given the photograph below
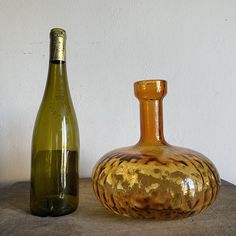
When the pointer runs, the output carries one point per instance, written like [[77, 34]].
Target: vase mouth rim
[[150, 81], [150, 89]]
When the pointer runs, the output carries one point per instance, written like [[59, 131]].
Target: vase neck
[[151, 122], [150, 94]]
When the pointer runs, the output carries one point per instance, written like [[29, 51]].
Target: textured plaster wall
[[111, 44]]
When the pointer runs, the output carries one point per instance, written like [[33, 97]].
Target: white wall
[[111, 44]]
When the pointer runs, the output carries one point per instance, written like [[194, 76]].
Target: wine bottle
[[55, 142]]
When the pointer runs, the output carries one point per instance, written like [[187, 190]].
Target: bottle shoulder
[[55, 113], [55, 127]]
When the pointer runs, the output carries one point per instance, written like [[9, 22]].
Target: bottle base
[[53, 207]]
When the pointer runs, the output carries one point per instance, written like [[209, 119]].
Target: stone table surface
[[93, 219]]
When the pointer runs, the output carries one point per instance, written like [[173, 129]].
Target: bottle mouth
[[150, 89], [58, 32]]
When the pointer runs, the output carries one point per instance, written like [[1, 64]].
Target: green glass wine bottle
[[55, 143]]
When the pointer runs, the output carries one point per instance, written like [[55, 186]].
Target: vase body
[[154, 179]]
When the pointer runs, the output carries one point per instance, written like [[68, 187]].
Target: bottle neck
[[151, 122], [57, 84]]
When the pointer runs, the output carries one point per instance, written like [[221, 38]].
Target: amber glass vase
[[154, 179]]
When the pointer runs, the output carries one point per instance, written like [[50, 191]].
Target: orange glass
[[154, 179]]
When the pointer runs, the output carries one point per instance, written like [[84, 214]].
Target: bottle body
[[55, 144]]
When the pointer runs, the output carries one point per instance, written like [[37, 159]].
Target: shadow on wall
[[85, 165], [15, 145]]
